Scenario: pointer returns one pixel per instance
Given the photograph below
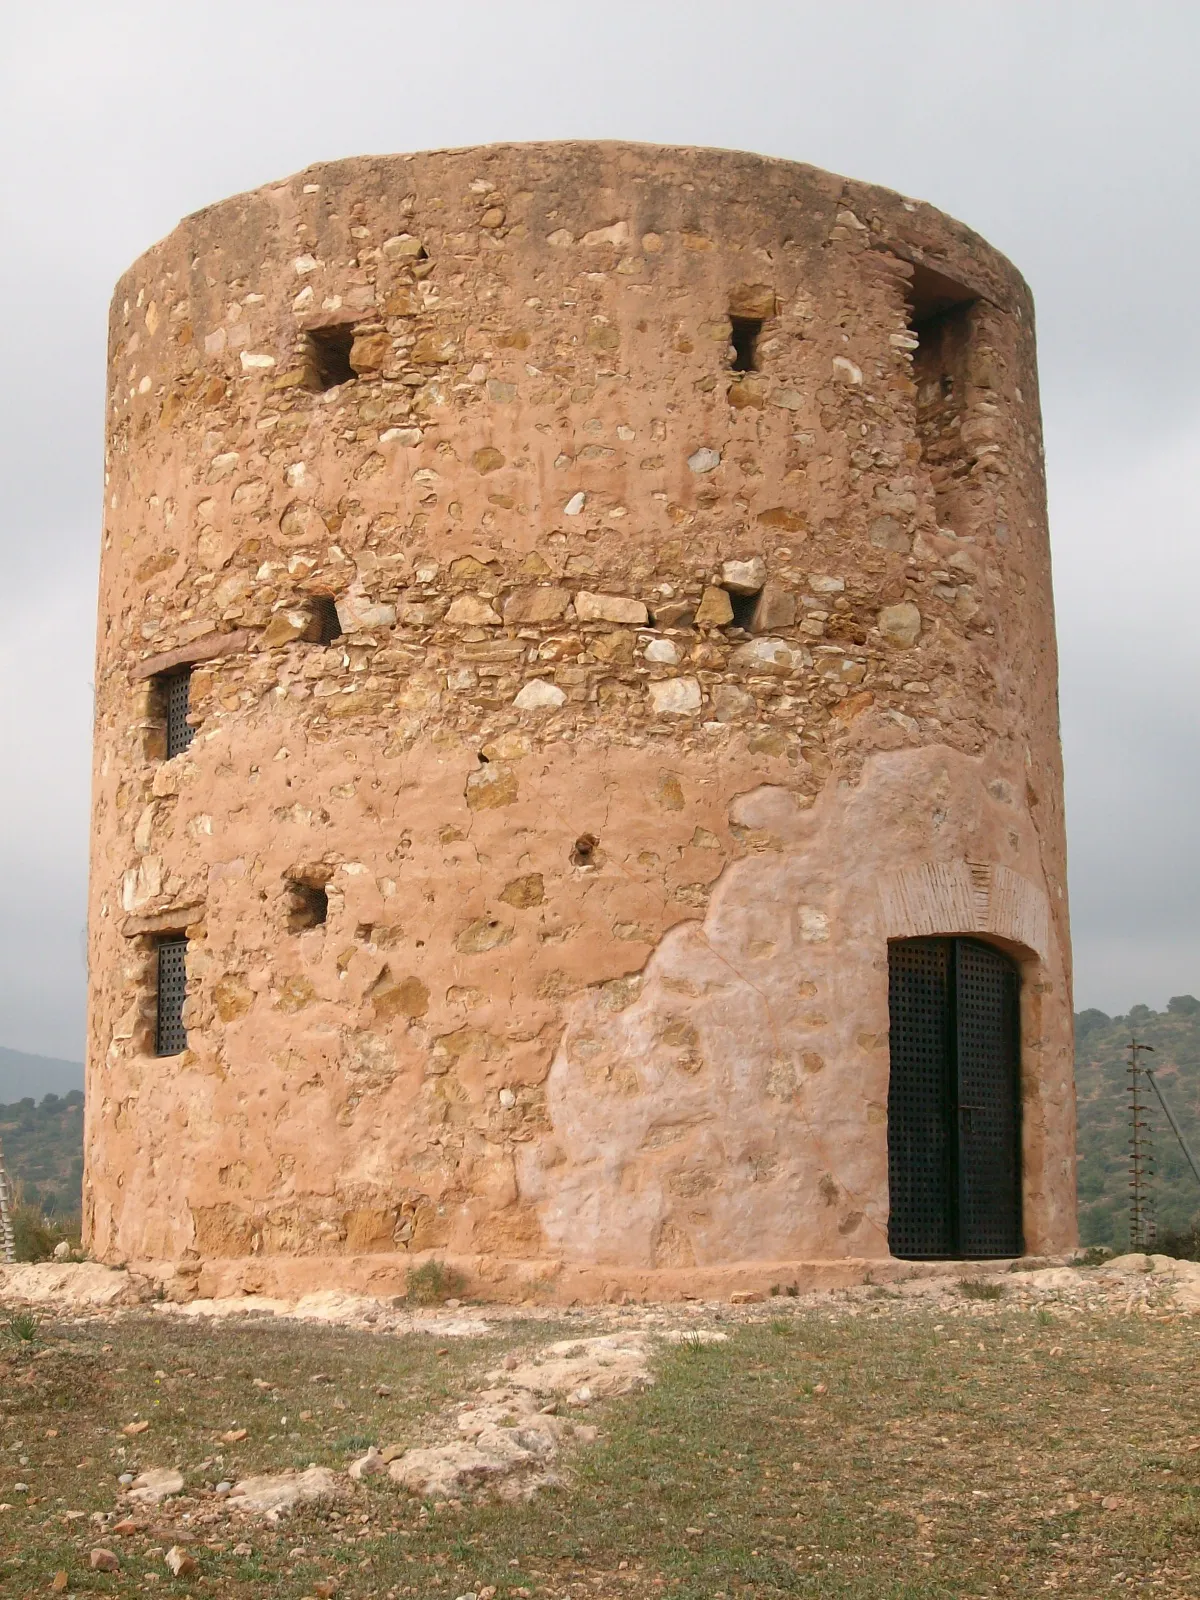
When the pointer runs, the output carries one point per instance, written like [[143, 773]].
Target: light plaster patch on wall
[[755, 1032]]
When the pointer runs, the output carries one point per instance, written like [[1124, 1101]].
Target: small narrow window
[[327, 352], [941, 318], [308, 905], [326, 624], [170, 1035], [745, 343], [743, 608], [175, 689]]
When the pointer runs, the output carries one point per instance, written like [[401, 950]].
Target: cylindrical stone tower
[[575, 637]]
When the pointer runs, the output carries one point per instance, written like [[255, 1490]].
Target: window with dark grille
[[326, 624], [954, 1136], [170, 1035], [308, 905], [176, 693], [743, 606]]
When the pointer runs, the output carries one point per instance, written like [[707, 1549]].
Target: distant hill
[[43, 1151], [22, 1075], [41, 1130], [1101, 1080]]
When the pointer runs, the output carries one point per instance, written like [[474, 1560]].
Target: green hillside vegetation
[[1101, 1088], [43, 1151]]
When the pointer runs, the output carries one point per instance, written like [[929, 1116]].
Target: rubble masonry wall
[[666, 694]]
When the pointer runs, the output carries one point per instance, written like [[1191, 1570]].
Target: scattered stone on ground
[[86, 1288], [273, 1494], [367, 1466], [180, 1563], [510, 1435], [71, 1285], [153, 1484]]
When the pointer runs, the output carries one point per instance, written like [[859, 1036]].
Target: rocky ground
[[303, 1434]]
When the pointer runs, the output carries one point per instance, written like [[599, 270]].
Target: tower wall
[[666, 694]]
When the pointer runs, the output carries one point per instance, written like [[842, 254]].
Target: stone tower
[[572, 617]]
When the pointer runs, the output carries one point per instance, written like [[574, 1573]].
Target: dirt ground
[[1001, 1434]]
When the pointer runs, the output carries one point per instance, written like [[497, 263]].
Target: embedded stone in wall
[[677, 697], [715, 609], [609, 608], [900, 625]]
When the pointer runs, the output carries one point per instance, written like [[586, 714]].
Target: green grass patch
[[864, 1451]]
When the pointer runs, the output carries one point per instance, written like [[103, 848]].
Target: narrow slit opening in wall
[[308, 905], [745, 343], [327, 356], [940, 318], [175, 699], [326, 624], [170, 1035]]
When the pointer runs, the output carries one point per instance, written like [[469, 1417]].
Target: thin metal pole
[[8, 1243], [1142, 1230], [1191, 1160]]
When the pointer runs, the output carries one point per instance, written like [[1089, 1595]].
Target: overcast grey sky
[[1063, 130]]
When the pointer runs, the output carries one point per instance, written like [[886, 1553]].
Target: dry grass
[[895, 1453]]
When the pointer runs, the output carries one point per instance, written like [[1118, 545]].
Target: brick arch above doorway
[[965, 896]]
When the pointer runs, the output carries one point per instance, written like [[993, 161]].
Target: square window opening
[[170, 1035], [308, 905], [174, 695], [745, 343], [327, 356]]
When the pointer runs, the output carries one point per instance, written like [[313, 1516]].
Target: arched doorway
[[954, 1127]]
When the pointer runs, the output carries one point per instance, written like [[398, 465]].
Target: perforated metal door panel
[[954, 1135], [920, 1123], [180, 732], [988, 1096], [170, 1034]]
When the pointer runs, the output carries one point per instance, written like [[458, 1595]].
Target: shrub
[[35, 1235], [1095, 1255], [1182, 1243], [980, 1288], [23, 1325], [433, 1282]]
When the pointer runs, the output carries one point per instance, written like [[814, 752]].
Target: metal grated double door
[[954, 1132]]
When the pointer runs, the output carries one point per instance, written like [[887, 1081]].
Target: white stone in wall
[[744, 577], [538, 695], [357, 613], [665, 652], [767, 655], [609, 608], [675, 696]]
